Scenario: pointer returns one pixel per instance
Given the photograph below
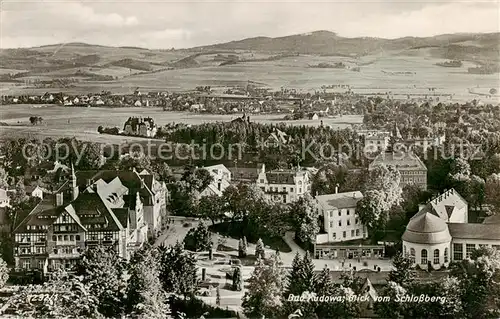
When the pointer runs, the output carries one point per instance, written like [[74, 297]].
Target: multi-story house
[[440, 233], [413, 171], [153, 193], [221, 180], [57, 231], [378, 141], [140, 126], [284, 186], [340, 225]]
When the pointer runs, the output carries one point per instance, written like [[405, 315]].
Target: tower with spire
[[74, 185]]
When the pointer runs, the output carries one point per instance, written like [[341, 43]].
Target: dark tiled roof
[[400, 160], [475, 231]]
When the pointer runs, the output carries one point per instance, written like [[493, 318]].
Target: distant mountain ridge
[[329, 43]]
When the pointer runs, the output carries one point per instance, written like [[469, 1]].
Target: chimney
[[59, 199], [219, 185]]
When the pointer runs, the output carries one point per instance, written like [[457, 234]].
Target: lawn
[[234, 230]]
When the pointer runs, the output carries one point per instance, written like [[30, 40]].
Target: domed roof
[[426, 229]]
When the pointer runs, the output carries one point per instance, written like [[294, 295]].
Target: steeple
[[74, 185]]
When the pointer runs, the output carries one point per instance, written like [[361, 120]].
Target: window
[[291, 189], [340, 213], [77, 237], [331, 224], [423, 257], [436, 256], [300, 190], [26, 264], [497, 247], [41, 263], [65, 237], [446, 255], [352, 233], [262, 181], [348, 222], [405, 252], [357, 232], [334, 235], [458, 252], [412, 255], [71, 237], [55, 251], [343, 234], [59, 238], [468, 249], [340, 223], [357, 221], [331, 214], [348, 212]]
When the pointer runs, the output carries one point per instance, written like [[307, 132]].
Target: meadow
[[378, 74], [82, 122]]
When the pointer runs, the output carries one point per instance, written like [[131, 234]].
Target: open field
[[82, 122], [378, 74]]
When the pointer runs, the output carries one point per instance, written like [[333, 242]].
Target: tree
[[301, 279], [64, 296], [178, 272], [210, 207], [217, 297], [403, 274], [373, 210], [305, 221], [259, 249], [392, 308], [4, 272], [4, 178], [103, 273], [264, 289], [492, 192], [237, 279], [198, 239], [479, 280], [19, 193], [386, 179], [145, 295], [242, 248]]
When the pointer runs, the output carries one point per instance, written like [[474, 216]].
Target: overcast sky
[[181, 24]]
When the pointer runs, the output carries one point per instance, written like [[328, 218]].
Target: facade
[[57, 231], [140, 126], [221, 180], [440, 233], [340, 221], [377, 141], [284, 186], [411, 168], [153, 193], [343, 232]]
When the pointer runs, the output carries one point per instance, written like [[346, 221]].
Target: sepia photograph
[[251, 159]]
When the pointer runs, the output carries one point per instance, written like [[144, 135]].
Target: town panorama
[[237, 160]]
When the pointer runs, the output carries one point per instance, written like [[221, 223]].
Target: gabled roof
[[444, 205]]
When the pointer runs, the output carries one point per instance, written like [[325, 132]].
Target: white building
[[284, 186], [440, 233], [377, 141], [221, 180], [340, 221]]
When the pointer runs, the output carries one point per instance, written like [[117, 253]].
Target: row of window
[[66, 237], [30, 238], [70, 227], [424, 258], [37, 227], [348, 212], [29, 250], [348, 222], [354, 233]]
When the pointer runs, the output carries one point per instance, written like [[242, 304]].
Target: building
[[140, 126], [153, 193], [221, 180], [57, 231], [409, 165], [439, 233], [284, 186], [377, 141], [342, 231], [4, 198]]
